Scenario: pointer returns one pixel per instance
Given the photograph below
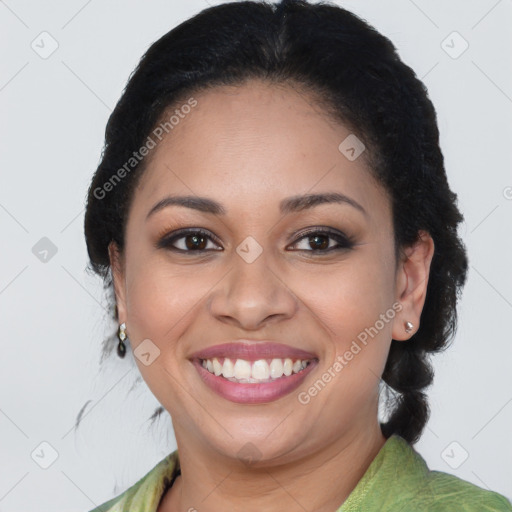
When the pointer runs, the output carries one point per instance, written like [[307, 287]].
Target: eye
[[190, 240], [318, 240]]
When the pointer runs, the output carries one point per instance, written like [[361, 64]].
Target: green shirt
[[397, 480]]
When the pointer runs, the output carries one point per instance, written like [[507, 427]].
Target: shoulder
[[438, 491], [449, 492], [145, 494], [399, 479]]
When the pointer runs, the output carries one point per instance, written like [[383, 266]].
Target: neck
[[320, 482]]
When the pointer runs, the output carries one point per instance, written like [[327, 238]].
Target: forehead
[[248, 144]]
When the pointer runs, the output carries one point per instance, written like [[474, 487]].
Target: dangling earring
[[121, 348], [408, 326]]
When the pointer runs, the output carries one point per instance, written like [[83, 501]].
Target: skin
[[249, 147]]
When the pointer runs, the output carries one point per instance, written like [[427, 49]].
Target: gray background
[[54, 112]]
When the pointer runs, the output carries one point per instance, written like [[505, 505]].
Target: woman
[[273, 214]]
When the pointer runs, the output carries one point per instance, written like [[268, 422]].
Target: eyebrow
[[286, 206]]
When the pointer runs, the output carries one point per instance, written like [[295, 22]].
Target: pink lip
[[253, 393], [252, 351]]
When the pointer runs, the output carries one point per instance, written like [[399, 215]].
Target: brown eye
[[189, 240], [195, 242], [319, 241]]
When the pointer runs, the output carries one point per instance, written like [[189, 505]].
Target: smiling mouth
[[259, 371]]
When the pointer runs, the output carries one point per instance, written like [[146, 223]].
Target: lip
[[253, 393], [252, 351]]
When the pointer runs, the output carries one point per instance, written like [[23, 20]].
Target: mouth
[[253, 373]]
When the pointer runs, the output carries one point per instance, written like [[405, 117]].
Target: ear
[[117, 266], [411, 285]]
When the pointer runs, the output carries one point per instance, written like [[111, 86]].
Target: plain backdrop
[[54, 108]]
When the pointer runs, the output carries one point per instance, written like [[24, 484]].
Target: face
[[261, 278]]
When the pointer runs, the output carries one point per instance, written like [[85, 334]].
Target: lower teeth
[[249, 380]]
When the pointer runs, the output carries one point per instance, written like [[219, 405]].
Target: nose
[[252, 294]]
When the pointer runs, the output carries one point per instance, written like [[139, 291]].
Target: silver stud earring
[[121, 347], [408, 326]]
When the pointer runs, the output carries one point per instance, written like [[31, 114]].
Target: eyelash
[[344, 242]]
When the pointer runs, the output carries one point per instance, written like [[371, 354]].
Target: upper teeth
[[254, 371]]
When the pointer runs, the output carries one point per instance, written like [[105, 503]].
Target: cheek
[[353, 305], [159, 308], [157, 301], [348, 297], [164, 301]]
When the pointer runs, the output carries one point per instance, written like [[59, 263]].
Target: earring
[[408, 326], [121, 348]]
